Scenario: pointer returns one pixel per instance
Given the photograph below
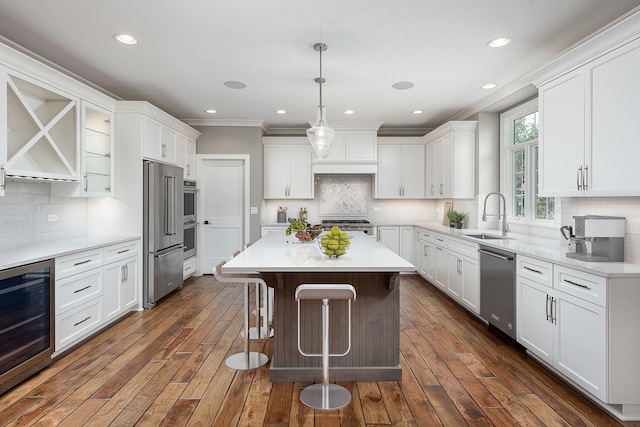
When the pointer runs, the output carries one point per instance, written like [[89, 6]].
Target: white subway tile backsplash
[[24, 215]]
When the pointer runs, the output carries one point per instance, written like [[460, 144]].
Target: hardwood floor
[[166, 367]]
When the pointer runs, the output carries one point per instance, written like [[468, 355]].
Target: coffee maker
[[597, 238]]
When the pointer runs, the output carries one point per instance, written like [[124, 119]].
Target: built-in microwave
[[190, 201]]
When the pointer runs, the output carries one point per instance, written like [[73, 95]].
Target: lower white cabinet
[[452, 265], [567, 332], [93, 288], [400, 239], [189, 267]]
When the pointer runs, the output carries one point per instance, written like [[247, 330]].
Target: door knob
[[206, 222]]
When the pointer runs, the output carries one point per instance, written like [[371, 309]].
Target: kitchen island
[[370, 267]]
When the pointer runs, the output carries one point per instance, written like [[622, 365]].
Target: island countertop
[[277, 252]]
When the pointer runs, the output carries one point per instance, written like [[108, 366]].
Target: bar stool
[[264, 297], [325, 395], [247, 359]]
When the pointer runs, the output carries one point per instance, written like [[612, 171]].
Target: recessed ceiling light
[[234, 84], [499, 42], [349, 111], [210, 111], [402, 85], [281, 112], [125, 38], [417, 112], [489, 86]]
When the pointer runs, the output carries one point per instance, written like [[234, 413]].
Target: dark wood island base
[[375, 328]]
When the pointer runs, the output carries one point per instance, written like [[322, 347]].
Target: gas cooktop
[[345, 221]]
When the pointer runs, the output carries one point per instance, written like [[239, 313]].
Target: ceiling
[[187, 50]]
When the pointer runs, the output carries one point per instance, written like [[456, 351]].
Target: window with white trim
[[519, 163]]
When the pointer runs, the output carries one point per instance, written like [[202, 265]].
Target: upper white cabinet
[[186, 155], [401, 170], [97, 159], [39, 129], [159, 141], [451, 160], [354, 151], [287, 168], [588, 132]]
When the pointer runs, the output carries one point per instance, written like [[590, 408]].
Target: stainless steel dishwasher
[[498, 288]]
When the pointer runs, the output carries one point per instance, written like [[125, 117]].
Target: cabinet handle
[[86, 182], [3, 172], [585, 178], [163, 150], [439, 248], [82, 321], [441, 189], [81, 289], [531, 269], [577, 284], [188, 170], [123, 251], [432, 188], [546, 307], [439, 240], [553, 310], [81, 262], [579, 178]]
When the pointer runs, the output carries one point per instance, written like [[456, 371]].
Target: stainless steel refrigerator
[[162, 235]]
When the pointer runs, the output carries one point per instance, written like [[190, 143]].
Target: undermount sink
[[484, 236]]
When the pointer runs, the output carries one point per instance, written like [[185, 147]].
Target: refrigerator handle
[[170, 205]]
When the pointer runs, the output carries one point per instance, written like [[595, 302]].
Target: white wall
[[24, 212]]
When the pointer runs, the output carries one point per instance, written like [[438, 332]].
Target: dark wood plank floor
[[166, 367]]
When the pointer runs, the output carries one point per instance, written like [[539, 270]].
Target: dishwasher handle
[[493, 254]]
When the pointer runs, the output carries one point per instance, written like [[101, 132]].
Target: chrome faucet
[[505, 226]]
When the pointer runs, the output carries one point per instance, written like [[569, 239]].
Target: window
[[519, 160]]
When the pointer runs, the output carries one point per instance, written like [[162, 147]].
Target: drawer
[[77, 289], [189, 267], [426, 236], [588, 287], [78, 262], [440, 240], [463, 247], [119, 252], [78, 322], [535, 269]]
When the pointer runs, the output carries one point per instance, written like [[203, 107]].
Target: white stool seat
[[325, 395]]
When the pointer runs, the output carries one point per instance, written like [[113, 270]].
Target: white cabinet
[[587, 120], [441, 275], [400, 239], [401, 170], [97, 155], [186, 155], [451, 160], [354, 151], [93, 288], [159, 141], [425, 254], [189, 267], [564, 330], [38, 129], [390, 237], [463, 273], [287, 169]]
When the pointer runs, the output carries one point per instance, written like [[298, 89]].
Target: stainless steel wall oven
[[190, 228], [26, 321]]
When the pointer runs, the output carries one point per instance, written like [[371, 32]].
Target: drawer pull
[[532, 269], [82, 321], [123, 251], [577, 284], [81, 262], [81, 289]]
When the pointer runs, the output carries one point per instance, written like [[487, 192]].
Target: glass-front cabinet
[[97, 146]]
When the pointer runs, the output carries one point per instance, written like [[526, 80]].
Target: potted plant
[[456, 218]]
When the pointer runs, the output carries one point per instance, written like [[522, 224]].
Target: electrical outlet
[[52, 217], [377, 209], [254, 210]]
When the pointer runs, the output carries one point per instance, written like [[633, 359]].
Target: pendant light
[[320, 135]]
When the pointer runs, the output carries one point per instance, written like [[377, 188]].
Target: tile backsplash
[[25, 210]]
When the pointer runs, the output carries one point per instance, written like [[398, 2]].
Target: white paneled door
[[222, 210]]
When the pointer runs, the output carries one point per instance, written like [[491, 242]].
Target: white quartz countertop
[[526, 245], [16, 257], [277, 252]]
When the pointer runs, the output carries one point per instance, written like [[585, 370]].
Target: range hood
[[344, 168]]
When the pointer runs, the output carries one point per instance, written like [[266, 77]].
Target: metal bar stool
[[247, 359], [264, 297], [325, 395]]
